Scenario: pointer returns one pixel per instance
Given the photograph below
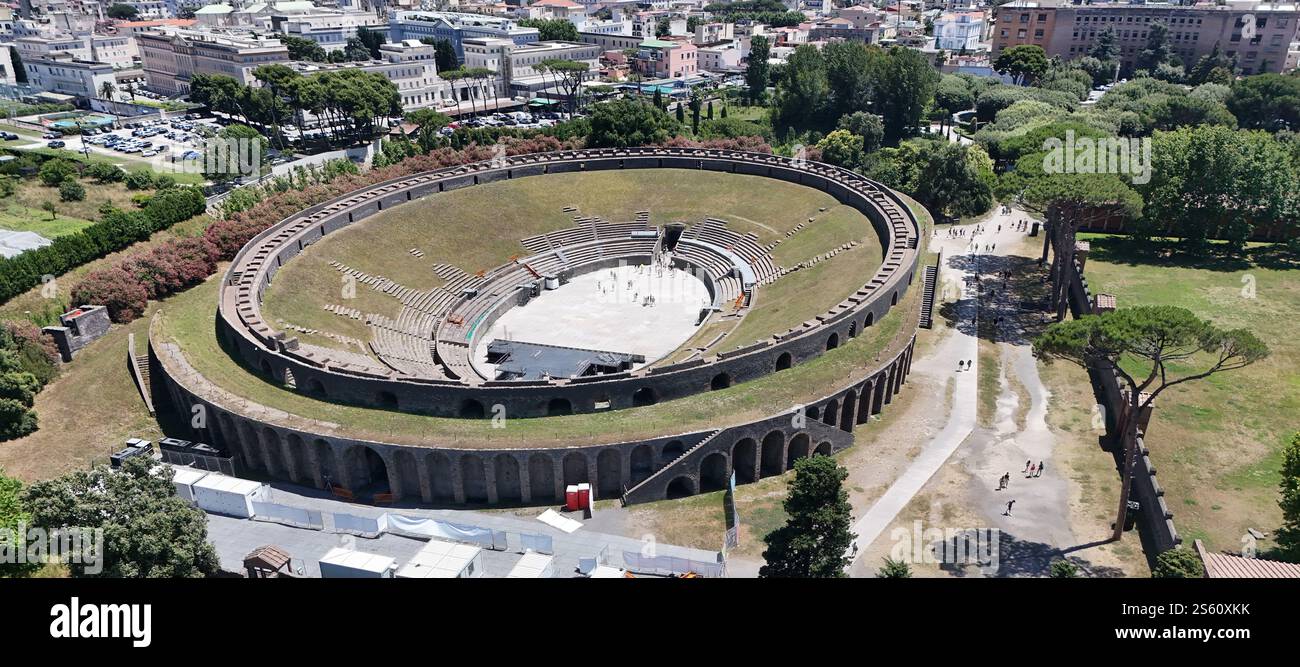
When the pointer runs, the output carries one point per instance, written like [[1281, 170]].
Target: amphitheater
[[433, 401]]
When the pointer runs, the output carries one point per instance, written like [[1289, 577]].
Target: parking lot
[[177, 138]]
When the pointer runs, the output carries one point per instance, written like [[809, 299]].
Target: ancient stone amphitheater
[[425, 363]]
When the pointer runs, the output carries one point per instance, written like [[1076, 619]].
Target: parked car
[[8, 136], [56, 144]]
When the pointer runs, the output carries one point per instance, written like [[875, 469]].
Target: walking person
[[1009, 504], [1039, 472], [1027, 464]]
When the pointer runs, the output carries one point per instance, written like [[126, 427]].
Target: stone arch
[[609, 473], [783, 361], [642, 464], [871, 319], [645, 396], [773, 453], [254, 457], [473, 478], [853, 329], [297, 459], [558, 406], [864, 405], [671, 451], [471, 409], [832, 342], [830, 412], [823, 448], [407, 474], [720, 381], [387, 399], [316, 388], [744, 460], [266, 369], [575, 468], [893, 301], [271, 449], [849, 411], [879, 398], [326, 462], [798, 449], [441, 481], [541, 478], [812, 412], [509, 486], [368, 469], [680, 487], [713, 472]]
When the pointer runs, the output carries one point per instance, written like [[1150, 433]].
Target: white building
[[64, 74], [516, 64], [959, 31], [171, 57], [331, 29]]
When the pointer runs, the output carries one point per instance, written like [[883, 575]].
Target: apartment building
[[457, 27], [959, 31], [516, 64], [172, 57], [1257, 35], [330, 28], [63, 73]]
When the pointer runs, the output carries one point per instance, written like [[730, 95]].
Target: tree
[[1068, 202], [1024, 63], [1288, 535], [1178, 563], [13, 518], [552, 30], [802, 96], [569, 76], [71, 190], [122, 12], [869, 126], [48, 207], [757, 70], [55, 171], [1106, 46], [1157, 51], [1206, 68], [1266, 102], [301, 48], [16, 61], [894, 569], [816, 537], [1149, 349], [372, 39], [903, 91], [444, 53], [106, 90], [149, 532], [842, 148], [1212, 181], [621, 123]]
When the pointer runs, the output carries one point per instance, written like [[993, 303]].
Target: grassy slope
[[1217, 442]]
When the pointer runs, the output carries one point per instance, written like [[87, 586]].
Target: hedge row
[[117, 230]]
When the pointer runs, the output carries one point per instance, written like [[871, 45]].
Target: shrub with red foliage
[[750, 144], [173, 266], [27, 334], [115, 289]]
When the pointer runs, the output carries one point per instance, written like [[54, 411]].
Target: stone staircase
[[927, 296], [664, 471]]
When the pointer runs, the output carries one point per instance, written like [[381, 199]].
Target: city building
[[172, 57], [661, 58], [63, 73], [1069, 31], [330, 28], [516, 64], [457, 27], [959, 31]]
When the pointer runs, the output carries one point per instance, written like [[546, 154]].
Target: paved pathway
[[962, 345]]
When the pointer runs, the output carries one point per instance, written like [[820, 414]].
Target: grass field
[[480, 228], [1217, 442]]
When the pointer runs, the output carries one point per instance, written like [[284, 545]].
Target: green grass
[[188, 320], [479, 228], [1217, 442], [18, 218]]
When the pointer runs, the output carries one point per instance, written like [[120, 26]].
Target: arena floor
[[608, 310]]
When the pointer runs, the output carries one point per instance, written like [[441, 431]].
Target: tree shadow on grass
[[1178, 254]]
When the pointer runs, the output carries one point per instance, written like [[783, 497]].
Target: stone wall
[[639, 471], [80, 327], [1155, 519]]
